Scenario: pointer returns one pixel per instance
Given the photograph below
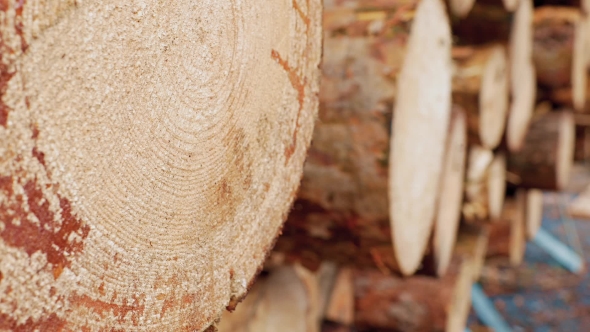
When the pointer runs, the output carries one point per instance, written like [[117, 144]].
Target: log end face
[[451, 192], [493, 98], [521, 109], [420, 129]]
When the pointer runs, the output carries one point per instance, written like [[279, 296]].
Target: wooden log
[[371, 69], [450, 192], [276, 301], [149, 154], [490, 22], [547, 155], [485, 185], [420, 303], [559, 51], [341, 304], [563, 97], [582, 143], [472, 244], [534, 212], [480, 86], [507, 237]]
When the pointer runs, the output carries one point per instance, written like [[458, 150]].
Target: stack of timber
[[111, 144], [410, 240], [370, 188]]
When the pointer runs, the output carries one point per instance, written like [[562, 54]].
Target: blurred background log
[[547, 155], [359, 177]]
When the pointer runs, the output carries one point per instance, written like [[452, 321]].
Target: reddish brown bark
[[545, 159]]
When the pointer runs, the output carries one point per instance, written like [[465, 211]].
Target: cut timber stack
[[149, 153], [495, 22], [559, 54], [371, 183]]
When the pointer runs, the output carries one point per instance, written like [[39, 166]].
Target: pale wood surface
[[149, 153]]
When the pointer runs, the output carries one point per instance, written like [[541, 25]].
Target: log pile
[[409, 239], [437, 126]]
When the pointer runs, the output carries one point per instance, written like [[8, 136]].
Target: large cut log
[[480, 86], [451, 192], [490, 22], [507, 237], [420, 303], [547, 155], [374, 66], [559, 51], [149, 153]]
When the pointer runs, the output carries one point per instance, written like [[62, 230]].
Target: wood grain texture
[[149, 153]]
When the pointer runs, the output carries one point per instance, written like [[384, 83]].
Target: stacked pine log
[[428, 156]]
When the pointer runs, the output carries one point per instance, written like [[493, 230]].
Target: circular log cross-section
[[546, 158], [342, 212], [451, 192], [490, 22], [523, 82], [420, 125], [149, 153], [480, 86], [559, 51]]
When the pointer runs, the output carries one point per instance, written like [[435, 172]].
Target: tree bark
[[149, 153], [480, 86], [450, 192], [369, 73], [559, 51], [419, 303], [547, 155]]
